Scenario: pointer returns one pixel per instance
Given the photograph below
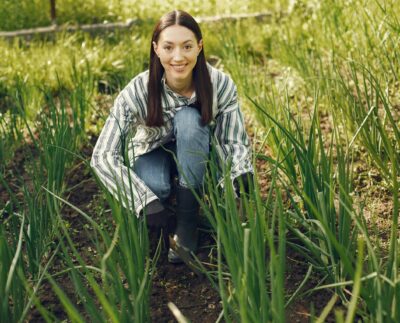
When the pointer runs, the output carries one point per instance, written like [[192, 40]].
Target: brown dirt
[[192, 294]]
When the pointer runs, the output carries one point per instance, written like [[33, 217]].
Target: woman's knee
[[155, 173], [188, 125], [159, 186], [162, 190]]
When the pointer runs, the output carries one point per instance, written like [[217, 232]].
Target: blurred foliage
[[34, 13]]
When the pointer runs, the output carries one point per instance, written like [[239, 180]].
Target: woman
[[165, 114]]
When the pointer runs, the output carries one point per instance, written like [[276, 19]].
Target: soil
[[191, 293], [176, 283]]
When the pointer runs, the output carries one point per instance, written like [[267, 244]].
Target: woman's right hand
[[158, 217]]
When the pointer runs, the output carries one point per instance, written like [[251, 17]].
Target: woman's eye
[[167, 48], [187, 47]]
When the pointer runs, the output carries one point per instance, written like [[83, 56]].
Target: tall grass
[[118, 288], [55, 143], [50, 157], [363, 108], [327, 228], [334, 59], [324, 229], [10, 131], [11, 270], [251, 255], [19, 286], [377, 130]]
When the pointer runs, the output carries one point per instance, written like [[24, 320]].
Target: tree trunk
[[53, 12]]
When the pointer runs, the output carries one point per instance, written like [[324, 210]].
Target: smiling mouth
[[179, 68]]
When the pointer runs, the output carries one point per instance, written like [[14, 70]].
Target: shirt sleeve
[[233, 143], [107, 159]]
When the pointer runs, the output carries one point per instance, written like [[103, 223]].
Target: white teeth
[[178, 67]]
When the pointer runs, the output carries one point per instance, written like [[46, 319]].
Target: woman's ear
[[200, 45], [155, 47]]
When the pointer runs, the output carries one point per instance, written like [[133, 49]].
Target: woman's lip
[[179, 68]]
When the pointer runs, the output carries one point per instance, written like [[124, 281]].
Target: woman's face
[[177, 49]]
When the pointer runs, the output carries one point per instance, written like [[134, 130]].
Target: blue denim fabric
[[191, 146]]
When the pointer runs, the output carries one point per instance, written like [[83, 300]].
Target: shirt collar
[[168, 89], [163, 80], [165, 85]]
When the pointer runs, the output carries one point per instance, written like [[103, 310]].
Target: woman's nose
[[177, 54]]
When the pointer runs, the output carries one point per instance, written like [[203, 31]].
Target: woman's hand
[[157, 216], [246, 179], [160, 220]]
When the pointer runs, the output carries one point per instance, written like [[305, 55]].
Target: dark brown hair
[[201, 76]]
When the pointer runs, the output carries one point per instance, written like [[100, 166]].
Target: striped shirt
[[125, 135]]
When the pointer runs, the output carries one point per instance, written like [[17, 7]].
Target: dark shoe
[[186, 235]]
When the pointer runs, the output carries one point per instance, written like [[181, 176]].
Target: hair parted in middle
[[201, 76]]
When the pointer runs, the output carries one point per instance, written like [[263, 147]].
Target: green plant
[[125, 269], [251, 263]]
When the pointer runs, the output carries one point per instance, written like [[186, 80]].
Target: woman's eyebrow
[[186, 41]]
